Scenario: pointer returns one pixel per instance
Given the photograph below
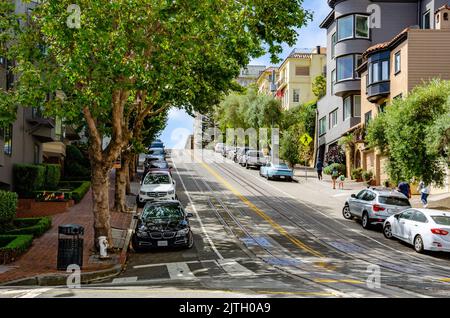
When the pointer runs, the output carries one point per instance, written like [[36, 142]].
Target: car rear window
[[394, 201], [441, 219]]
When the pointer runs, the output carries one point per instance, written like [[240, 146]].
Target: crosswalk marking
[[180, 271], [233, 268], [30, 293], [121, 280]]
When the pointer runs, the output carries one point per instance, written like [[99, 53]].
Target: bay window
[[345, 67], [353, 27], [347, 107], [322, 125], [345, 28]]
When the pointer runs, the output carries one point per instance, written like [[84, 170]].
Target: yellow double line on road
[[267, 218]]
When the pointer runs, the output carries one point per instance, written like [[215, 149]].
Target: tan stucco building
[[296, 75]]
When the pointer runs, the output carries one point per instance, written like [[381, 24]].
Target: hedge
[[339, 166], [79, 190], [28, 178], [357, 173], [8, 205], [52, 176], [11, 246], [79, 193], [31, 226]]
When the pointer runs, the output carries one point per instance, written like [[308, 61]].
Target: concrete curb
[[60, 279]]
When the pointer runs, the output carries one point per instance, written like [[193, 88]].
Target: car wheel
[[365, 221], [387, 231], [247, 166], [136, 247], [418, 244], [190, 243], [346, 212]]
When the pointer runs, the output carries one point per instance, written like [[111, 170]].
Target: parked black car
[[163, 224]]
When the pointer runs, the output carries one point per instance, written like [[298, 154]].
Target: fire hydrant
[[103, 244]]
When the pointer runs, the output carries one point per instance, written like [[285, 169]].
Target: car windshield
[[281, 166], [157, 145], [162, 212], [159, 164], [156, 151], [394, 201], [256, 154], [441, 219], [151, 178]]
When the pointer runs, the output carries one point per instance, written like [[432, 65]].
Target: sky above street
[[180, 124]]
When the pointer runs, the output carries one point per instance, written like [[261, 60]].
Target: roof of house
[[444, 7], [267, 70], [389, 44], [328, 20]]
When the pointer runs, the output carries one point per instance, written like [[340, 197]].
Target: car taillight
[[377, 208], [439, 232]]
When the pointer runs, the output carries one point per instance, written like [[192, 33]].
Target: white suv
[[156, 186]]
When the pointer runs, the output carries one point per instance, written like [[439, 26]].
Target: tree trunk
[[100, 202], [120, 198]]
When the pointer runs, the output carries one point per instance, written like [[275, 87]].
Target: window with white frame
[[333, 118], [398, 62], [345, 67], [333, 81], [362, 26], [345, 28], [322, 125], [347, 107], [357, 106]]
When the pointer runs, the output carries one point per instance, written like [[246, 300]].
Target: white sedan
[[425, 229]]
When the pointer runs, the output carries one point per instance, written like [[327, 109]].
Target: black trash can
[[70, 246]]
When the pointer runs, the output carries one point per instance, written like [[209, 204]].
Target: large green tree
[[414, 133], [134, 59]]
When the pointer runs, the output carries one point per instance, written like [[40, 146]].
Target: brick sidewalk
[[41, 257]]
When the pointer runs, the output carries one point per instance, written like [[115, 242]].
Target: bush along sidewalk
[[8, 204], [12, 246], [31, 226]]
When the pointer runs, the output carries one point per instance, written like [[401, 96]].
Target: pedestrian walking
[[319, 167], [334, 176], [341, 181], [424, 190], [404, 188]]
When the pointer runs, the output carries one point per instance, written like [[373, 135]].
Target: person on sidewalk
[[334, 176], [319, 167], [404, 188], [341, 182], [424, 190]]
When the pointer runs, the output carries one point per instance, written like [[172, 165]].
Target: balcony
[[42, 128], [54, 149], [378, 90]]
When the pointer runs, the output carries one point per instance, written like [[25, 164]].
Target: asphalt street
[[259, 238]]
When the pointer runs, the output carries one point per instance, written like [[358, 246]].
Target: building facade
[[353, 26], [250, 74], [296, 75], [32, 137], [267, 80], [392, 69]]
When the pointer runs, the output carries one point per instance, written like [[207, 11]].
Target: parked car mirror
[[190, 215], [397, 216], [353, 195]]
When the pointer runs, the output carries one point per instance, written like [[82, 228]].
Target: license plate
[[162, 243], [282, 177]]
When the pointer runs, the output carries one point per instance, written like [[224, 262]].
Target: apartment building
[[250, 74], [354, 26], [296, 75], [266, 81], [32, 137], [392, 69]]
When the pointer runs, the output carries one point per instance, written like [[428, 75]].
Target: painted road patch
[[256, 241]]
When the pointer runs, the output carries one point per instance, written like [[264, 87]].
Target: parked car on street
[[156, 186], [276, 171], [156, 165], [231, 154], [157, 144], [240, 155], [374, 206], [254, 158], [227, 149], [156, 154], [218, 147], [425, 229], [163, 224]]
